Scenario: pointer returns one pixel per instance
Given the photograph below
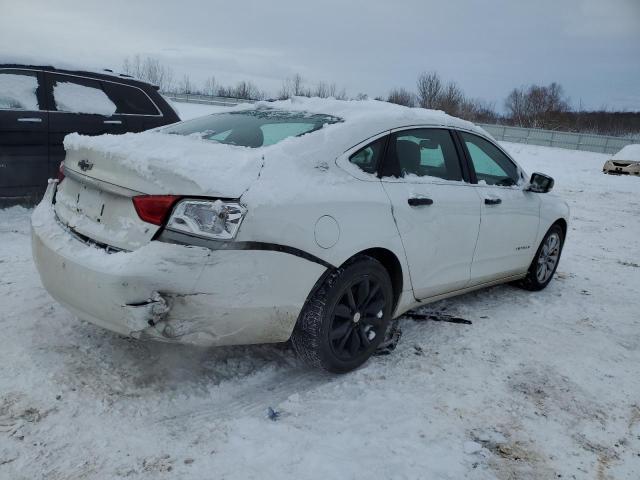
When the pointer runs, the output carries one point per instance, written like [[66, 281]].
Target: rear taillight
[[154, 208], [61, 172]]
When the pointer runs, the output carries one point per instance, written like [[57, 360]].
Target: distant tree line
[[150, 70], [534, 106], [433, 93]]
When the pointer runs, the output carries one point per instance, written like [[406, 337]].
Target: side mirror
[[540, 183]]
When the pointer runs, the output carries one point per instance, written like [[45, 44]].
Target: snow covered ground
[[541, 385]]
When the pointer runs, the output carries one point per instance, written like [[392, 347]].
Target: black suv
[[40, 105]]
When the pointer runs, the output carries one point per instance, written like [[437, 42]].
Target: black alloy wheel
[[346, 317]]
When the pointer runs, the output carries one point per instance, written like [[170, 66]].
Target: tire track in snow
[[251, 397]]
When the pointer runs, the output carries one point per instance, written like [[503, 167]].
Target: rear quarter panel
[[288, 212]]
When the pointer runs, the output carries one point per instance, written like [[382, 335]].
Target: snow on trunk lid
[[104, 173], [156, 163]]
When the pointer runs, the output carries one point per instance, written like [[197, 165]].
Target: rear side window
[[491, 165], [252, 128], [80, 95], [368, 158], [18, 90], [129, 100], [425, 152]]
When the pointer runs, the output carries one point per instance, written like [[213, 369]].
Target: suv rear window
[[129, 100], [252, 128]]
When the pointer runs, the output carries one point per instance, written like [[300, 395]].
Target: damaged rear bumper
[[173, 292]]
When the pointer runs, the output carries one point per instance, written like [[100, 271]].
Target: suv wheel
[[346, 318]]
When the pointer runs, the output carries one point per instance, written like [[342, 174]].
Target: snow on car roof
[[630, 152], [361, 119], [207, 163], [36, 61], [373, 112]]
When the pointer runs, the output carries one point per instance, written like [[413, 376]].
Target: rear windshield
[[252, 128]]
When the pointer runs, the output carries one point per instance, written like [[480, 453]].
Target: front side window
[[18, 91], [80, 95], [426, 152], [367, 158], [252, 128], [491, 165]]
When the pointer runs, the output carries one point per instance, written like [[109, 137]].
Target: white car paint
[[304, 200]]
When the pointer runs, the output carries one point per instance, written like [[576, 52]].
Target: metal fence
[[552, 138], [532, 136], [206, 99]]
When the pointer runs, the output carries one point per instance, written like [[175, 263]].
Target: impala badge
[[85, 165]]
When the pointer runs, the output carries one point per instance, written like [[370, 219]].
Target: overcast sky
[[592, 47]]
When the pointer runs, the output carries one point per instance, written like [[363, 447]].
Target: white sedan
[[312, 220]]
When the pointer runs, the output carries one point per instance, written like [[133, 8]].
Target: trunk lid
[[104, 173]]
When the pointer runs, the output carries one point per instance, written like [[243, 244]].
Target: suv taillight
[[60, 176]]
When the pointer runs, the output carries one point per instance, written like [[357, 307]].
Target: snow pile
[[628, 153], [18, 91], [71, 97]]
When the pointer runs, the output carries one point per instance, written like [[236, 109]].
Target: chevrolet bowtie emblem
[[85, 165]]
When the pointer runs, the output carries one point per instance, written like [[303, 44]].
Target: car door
[[510, 215], [78, 104], [436, 211], [24, 152]]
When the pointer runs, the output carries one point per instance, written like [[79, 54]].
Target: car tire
[[546, 260], [346, 317]]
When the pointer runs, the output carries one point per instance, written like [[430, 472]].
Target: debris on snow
[[272, 414], [436, 317], [391, 339]]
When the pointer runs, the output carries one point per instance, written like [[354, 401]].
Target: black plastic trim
[[464, 157], [171, 236]]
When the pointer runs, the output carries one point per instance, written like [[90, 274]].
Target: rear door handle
[[492, 201], [30, 119], [113, 122], [418, 201]]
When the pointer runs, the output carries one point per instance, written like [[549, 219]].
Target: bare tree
[[477, 110], [451, 99], [322, 90], [149, 69], [401, 96], [429, 90], [293, 87], [340, 94], [515, 105], [537, 106], [185, 85], [285, 89], [247, 91], [297, 86], [210, 86]]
